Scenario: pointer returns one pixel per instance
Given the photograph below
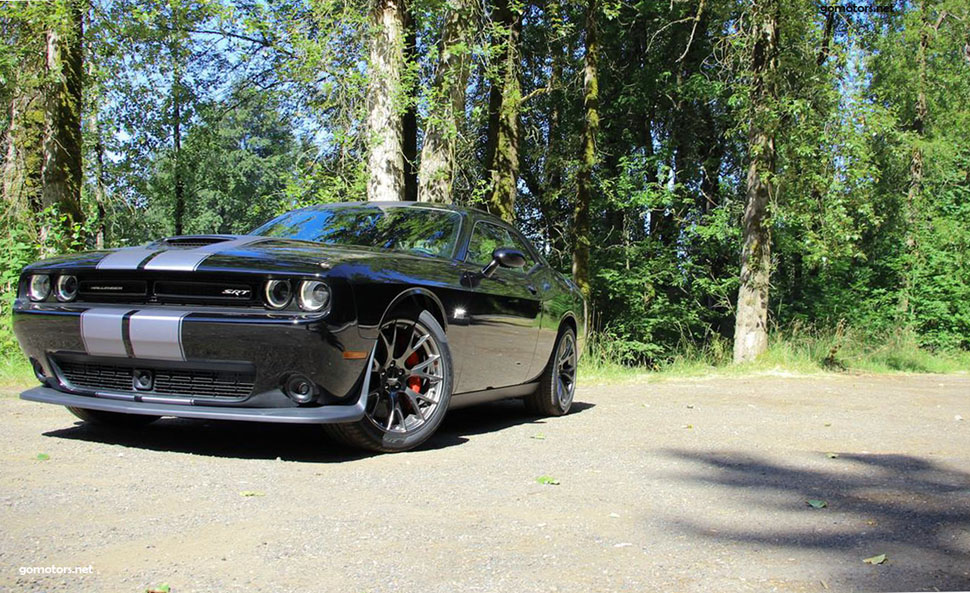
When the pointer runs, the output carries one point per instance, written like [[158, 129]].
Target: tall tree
[[587, 157], [504, 102], [751, 324], [385, 126], [61, 171], [438, 155], [25, 119], [175, 50]]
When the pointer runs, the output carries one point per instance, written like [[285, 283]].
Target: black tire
[[114, 419], [369, 432], [557, 385]]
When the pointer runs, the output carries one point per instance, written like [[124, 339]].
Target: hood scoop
[[193, 241]]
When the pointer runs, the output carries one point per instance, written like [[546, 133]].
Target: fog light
[[300, 389]]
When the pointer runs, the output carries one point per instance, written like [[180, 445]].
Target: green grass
[[15, 372], [799, 351]]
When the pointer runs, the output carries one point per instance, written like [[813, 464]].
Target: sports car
[[372, 319]]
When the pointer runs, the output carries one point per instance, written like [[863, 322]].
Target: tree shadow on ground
[[290, 442], [915, 511]]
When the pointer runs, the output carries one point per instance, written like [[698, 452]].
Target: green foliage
[[798, 349], [866, 262]]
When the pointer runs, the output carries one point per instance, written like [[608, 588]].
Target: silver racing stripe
[[188, 260], [157, 334], [126, 259], [101, 331]]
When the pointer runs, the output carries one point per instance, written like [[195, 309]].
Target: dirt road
[[686, 485]]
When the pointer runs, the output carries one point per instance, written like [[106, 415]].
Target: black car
[[370, 318]]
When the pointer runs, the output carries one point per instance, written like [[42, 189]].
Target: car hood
[[228, 253]]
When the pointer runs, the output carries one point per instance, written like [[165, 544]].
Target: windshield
[[426, 231]]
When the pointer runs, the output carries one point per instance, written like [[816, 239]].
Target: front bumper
[[317, 415], [189, 346]]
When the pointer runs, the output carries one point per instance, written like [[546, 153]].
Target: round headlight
[[66, 288], [40, 287], [277, 293], [314, 295]]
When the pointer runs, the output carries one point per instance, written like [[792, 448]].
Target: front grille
[[176, 382], [203, 383], [96, 376], [206, 292], [107, 290]]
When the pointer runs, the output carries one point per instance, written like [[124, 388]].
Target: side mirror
[[506, 257]]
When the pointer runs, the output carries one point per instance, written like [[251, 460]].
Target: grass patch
[[15, 372], [798, 351]]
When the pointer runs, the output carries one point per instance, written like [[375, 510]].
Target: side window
[[519, 244], [488, 237]]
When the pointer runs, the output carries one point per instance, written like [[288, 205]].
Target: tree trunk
[[22, 181], [751, 324], [178, 178], [385, 126], [915, 164], [505, 98], [409, 120], [587, 156], [437, 173], [61, 172], [100, 233]]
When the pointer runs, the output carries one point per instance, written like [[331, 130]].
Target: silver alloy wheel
[[407, 377], [566, 370]]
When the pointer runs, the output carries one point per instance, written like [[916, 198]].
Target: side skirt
[[470, 398]]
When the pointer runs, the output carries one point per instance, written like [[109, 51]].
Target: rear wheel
[[115, 419], [557, 385], [409, 390]]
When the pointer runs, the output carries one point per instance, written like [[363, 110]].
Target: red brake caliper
[[414, 382]]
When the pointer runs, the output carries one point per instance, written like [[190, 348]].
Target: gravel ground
[[680, 485]]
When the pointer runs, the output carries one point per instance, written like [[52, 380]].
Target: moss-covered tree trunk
[[23, 161], [916, 165], [505, 99], [438, 155], [385, 126], [61, 171], [751, 323], [587, 157]]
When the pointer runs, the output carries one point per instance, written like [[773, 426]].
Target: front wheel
[[557, 386], [409, 389], [113, 419]]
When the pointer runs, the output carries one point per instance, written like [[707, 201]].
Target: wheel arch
[[569, 319], [417, 299]]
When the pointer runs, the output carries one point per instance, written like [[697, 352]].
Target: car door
[[502, 313]]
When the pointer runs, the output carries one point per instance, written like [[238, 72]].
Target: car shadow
[[915, 511], [291, 442]]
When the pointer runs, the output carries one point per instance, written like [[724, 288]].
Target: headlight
[[277, 293], [66, 288], [314, 295], [40, 287]]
